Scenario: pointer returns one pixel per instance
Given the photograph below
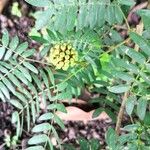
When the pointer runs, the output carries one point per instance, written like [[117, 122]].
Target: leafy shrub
[[115, 67]]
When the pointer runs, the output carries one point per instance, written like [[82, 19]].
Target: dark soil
[[5, 125], [93, 129]]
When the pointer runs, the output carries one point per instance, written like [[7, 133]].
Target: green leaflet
[[59, 107], [2, 97], [141, 108], [30, 67], [110, 14], [4, 90], [38, 139], [2, 51], [28, 53], [9, 85], [143, 44], [136, 56], [21, 48], [132, 127], [35, 148], [119, 88], [71, 18], [61, 86], [59, 121], [5, 38], [16, 103], [44, 18], [51, 75], [3, 70], [111, 138], [14, 80], [15, 116], [122, 75], [97, 112], [125, 64], [14, 43], [46, 116], [12, 46], [21, 77], [41, 127], [130, 103]]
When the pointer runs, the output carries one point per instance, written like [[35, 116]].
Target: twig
[[126, 21], [121, 112], [139, 30]]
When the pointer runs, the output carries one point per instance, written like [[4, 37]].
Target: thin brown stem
[[121, 112]]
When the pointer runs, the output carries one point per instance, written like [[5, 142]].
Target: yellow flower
[[62, 56]]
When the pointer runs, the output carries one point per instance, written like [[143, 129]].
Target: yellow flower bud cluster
[[63, 55]]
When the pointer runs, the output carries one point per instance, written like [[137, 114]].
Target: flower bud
[[56, 51], [65, 67], [72, 64], [67, 52], [62, 54], [69, 47], [66, 61], [63, 47], [72, 51], [54, 62], [67, 57], [57, 46], [75, 57], [71, 60], [59, 58], [60, 65]]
